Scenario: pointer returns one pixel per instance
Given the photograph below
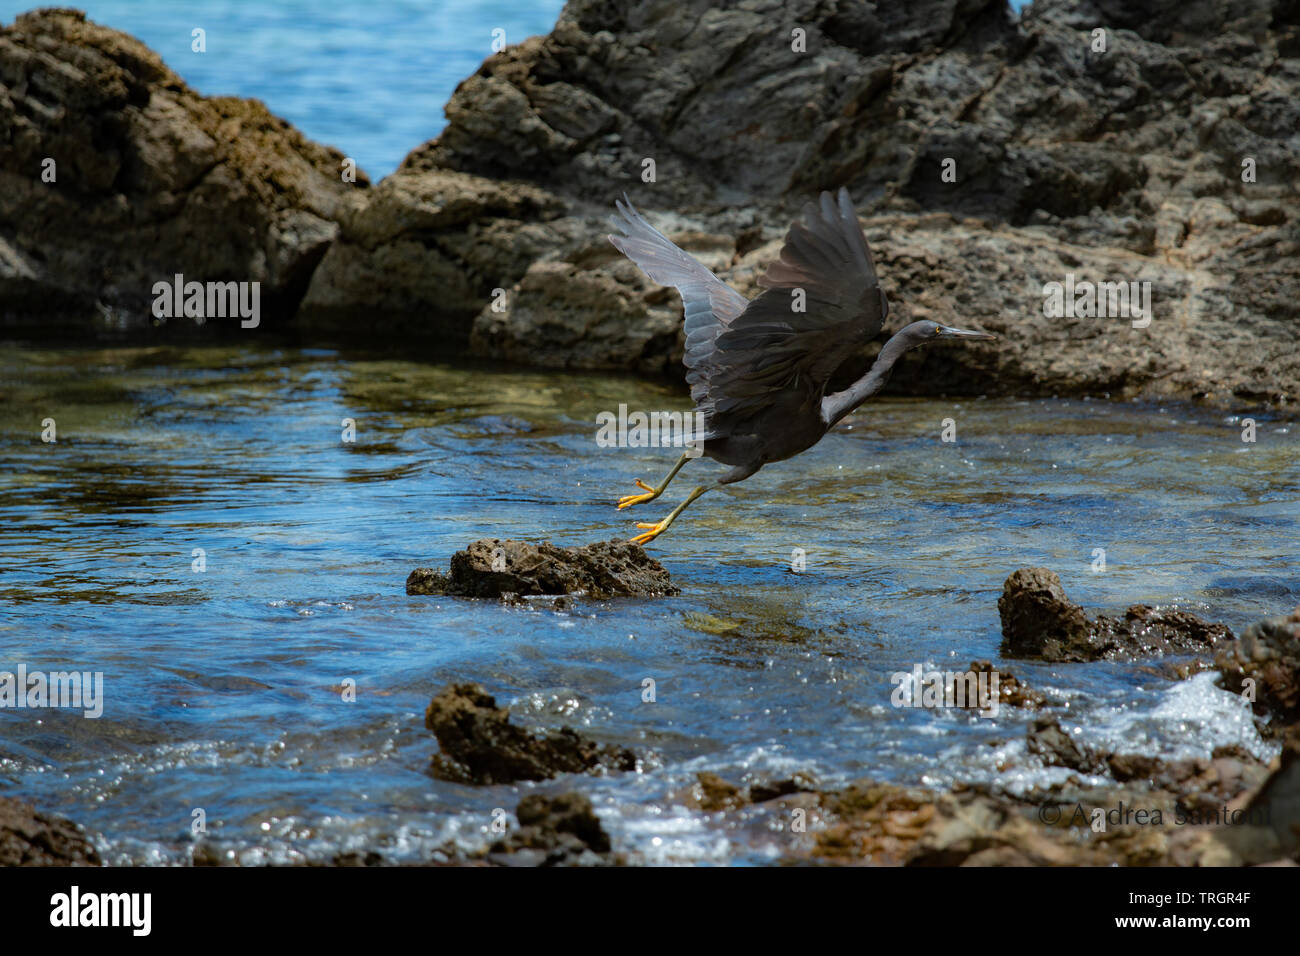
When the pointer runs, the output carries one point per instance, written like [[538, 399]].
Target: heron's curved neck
[[839, 404]]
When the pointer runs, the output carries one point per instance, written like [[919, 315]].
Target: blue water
[[368, 78], [223, 686]]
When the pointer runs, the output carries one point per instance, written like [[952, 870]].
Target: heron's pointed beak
[[947, 332]]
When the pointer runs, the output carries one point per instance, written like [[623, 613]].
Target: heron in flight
[[759, 370]]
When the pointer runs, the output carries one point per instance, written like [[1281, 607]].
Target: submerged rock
[[1057, 748], [31, 838], [491, 567], [553, 831], [479, 744], [1040, 623], [1012, 692], [1265, 661], [149, 179], [711, 792]]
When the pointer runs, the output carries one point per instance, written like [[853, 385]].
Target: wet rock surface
[[714, 793], [31, 838], [1038, 620], [479, 744], [1057, 748], [563, 830], [1199, 781], [1040, 623], [1012, 692], [1227, 809], [150, 179], [1265, 664], [492, 567], [1230, 810], [711, 792]]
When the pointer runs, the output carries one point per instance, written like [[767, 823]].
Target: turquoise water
[[223, 687], [368, 78]]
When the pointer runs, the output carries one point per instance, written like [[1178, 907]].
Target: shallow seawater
[[223, 687]]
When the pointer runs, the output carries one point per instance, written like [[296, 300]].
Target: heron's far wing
[[708, 302], [771, 345]]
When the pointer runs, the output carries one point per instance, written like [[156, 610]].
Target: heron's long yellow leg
[[627, 501], [659, 527]]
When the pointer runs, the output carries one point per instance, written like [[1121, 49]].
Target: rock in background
[[151, 180], [1117, 166]]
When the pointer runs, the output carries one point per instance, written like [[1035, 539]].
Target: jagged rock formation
[[1169, 157], [149, 179], [1040, 623], [1123, 165]]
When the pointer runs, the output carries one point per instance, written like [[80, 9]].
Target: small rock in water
[[1039, 622], [491, 567], [1267, 653], [554, 831], [765, 790], [1056, 748], [1012, 692], [480, 745], [713, 793]]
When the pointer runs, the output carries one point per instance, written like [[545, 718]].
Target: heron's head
[[927, 332]]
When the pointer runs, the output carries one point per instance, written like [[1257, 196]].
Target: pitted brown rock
[[480, 745], [1040, 623], [492, 567], [31, 838], [150, 179]]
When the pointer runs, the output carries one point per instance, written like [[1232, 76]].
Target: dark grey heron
[[759, 370]]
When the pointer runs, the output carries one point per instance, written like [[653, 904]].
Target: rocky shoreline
[[1114, 808], [1117, 166], [1230, 809]]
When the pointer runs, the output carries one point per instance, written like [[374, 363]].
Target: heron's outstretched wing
[[709, 303], [772, 346]]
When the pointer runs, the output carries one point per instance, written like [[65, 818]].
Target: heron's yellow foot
[[656, 529], [627, 501]]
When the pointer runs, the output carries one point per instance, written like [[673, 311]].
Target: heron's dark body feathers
[[749, 440], [759, 369], [755, 365]]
